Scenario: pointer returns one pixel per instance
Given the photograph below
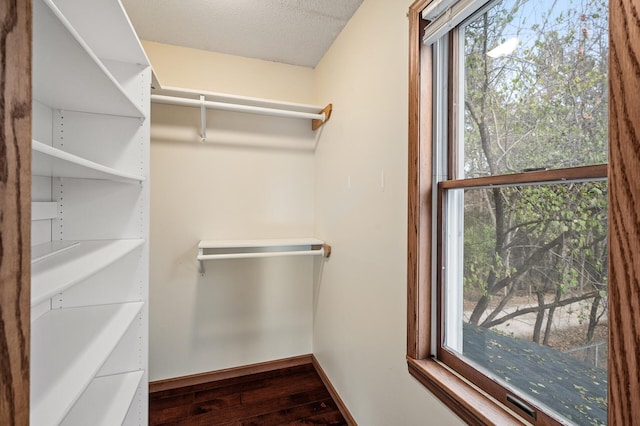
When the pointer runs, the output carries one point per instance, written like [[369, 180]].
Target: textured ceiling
[[296, 32]]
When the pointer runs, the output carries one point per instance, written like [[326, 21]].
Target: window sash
[[573, 174], [449, 262], [450, 19]]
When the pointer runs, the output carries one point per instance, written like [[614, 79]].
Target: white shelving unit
[[69, 347], [66, 71], [90, 163]]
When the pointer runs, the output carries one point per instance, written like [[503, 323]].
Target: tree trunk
[[479, 309], [552, 310], [535, 309], [593, 317], [539, 317], [502, 304]]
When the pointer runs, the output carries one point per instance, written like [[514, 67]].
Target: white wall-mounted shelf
[[246, 249], [44, 210], [50, 161], [68, 348], [211, 100], [56, 267], [66, 72], [226, 98], [105, 402]]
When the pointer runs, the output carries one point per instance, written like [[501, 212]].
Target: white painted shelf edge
[[60, 267], [245, 249], [235, 99], [50, 161], [61, 90], [106, 400], [68, 347], [51, 248], [277, 242]]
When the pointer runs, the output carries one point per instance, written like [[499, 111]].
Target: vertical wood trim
[[419, 192], [15, 215], [624, 212]]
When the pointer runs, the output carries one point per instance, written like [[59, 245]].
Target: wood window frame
[[458, 393]]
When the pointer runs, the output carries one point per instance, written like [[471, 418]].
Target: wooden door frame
[[15, 210], [624, 208]]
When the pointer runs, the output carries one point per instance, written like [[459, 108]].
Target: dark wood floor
[[290, 396]]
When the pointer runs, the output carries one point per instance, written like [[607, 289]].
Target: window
[[509, 276], [523, 241]]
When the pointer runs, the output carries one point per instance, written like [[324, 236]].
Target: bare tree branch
[[525, 311]]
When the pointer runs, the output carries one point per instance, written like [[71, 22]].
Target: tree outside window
[[525, 232]]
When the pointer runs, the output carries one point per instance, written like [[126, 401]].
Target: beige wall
[[253, 178], [360, 317], [357, 181], [218, 72]]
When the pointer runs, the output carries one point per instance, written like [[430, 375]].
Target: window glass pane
[[535, 90], [528, 291]]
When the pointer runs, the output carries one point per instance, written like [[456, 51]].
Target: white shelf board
[[54, 272], [105, 26], [261, 254], [68, 347], [66, 72], [280, 242], [235, 99], [251, 249], [44, 210], [106, 401], [49, 161], [50, 248]]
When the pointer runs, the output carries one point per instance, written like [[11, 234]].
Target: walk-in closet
[[237, 212]]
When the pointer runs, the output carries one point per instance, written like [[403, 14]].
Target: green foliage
[[543, 106], [563, 217], [546, 104]]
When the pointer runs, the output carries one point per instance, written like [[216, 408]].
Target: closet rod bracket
[[325, 249], [326, 112]]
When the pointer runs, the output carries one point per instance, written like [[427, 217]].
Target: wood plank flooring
[[288, 396]]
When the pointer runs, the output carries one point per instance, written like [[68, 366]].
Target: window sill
[[471, 405]]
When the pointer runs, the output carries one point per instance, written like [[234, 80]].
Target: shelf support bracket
[[316, 124], [201, 267], [203, 120], [326, 249]]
